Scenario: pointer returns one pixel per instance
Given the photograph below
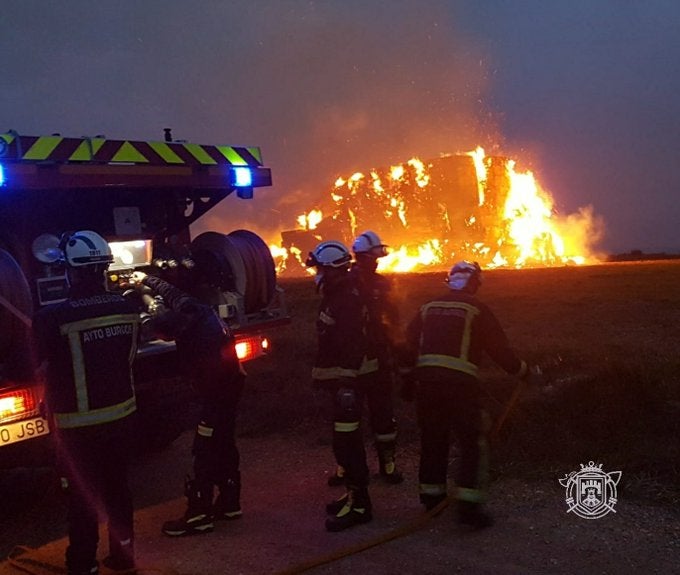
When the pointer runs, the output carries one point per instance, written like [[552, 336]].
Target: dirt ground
[[282, 530]]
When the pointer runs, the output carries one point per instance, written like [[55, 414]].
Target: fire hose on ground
[[421, 520]]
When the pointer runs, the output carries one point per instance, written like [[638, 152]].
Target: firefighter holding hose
[[445, 342], [207, 356]]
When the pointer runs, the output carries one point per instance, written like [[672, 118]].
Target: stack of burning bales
[[441, 204]]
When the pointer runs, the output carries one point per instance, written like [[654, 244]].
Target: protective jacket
[[382, 315], [454, 331], [89, 342], [341, 332], [205, 347]]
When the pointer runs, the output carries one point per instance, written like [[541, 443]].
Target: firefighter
[[207, 355], [88, 343], [446, 339], [341, 351], [377, 373]]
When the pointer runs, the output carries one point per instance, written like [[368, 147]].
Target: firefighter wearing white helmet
[[446, 340], [341, 350], [377, 372], [88, 343]]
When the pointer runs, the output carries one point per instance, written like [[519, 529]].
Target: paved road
[[282, 527]]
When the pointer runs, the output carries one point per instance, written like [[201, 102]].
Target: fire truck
[[142, 196]]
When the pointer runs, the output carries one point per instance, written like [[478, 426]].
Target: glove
[[137, 278]]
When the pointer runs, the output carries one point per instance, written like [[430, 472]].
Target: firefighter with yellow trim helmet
[[341, 348], [88, 343]]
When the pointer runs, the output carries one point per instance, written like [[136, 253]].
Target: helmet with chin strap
[[465, 275], [369, 244], [85, 248], [331, 254]]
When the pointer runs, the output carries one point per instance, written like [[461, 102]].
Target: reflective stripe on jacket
[[341, 332], [453, 332], [89, 342]]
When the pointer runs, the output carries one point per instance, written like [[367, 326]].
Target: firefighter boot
[[121, 555], [356, 510], [338, 477], [431, 501], [336, 505], [388, 466], [472, 515], [197, 518], [228, 503]]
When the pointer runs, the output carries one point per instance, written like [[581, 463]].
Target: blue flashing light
[[2, 175], [243, 177]]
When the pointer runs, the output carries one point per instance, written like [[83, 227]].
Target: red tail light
[[251, 347], [18, 404]]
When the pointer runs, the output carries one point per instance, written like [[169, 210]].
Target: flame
[[310, 220], [452, 208]]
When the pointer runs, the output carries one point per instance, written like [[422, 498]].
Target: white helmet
[[329, 254], [85, 248], [369, 243], [464, 274]]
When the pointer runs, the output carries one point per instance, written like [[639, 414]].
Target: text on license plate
[[21, 430]]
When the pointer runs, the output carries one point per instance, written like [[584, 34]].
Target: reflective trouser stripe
[[471, 495], [368, 366], [96, 416], [345, 427], [204, 430], [447, 361], [433, 489], [385, 437], [332, 372]]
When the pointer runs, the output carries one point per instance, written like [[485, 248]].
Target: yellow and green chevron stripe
[[57, 149]]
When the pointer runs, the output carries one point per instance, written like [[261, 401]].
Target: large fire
[[466, 206]]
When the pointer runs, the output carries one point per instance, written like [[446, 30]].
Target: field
[[609, 334]]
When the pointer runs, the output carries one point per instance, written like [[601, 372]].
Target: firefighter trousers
[[378, 390], [93, 462], [448, 404], [348, 440], [216, 456]]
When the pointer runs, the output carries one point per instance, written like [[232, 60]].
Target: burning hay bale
[[465, 206]]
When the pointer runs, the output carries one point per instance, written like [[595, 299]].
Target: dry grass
[[616, 397]]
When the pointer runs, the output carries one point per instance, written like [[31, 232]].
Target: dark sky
[[585, 93]]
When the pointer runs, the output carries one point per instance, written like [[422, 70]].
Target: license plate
[[22, 430]]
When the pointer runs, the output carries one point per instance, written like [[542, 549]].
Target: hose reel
[[237, 263]]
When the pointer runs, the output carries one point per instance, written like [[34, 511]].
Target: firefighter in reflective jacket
[[447, 338], [341, 351], [89, 342], [207, 356], [377, 372]]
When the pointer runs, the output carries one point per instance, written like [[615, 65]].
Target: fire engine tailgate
[[23, 430]]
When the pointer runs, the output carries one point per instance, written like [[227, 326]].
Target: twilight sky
[[584, 93]]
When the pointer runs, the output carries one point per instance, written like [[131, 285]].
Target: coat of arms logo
[[591, 493]]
